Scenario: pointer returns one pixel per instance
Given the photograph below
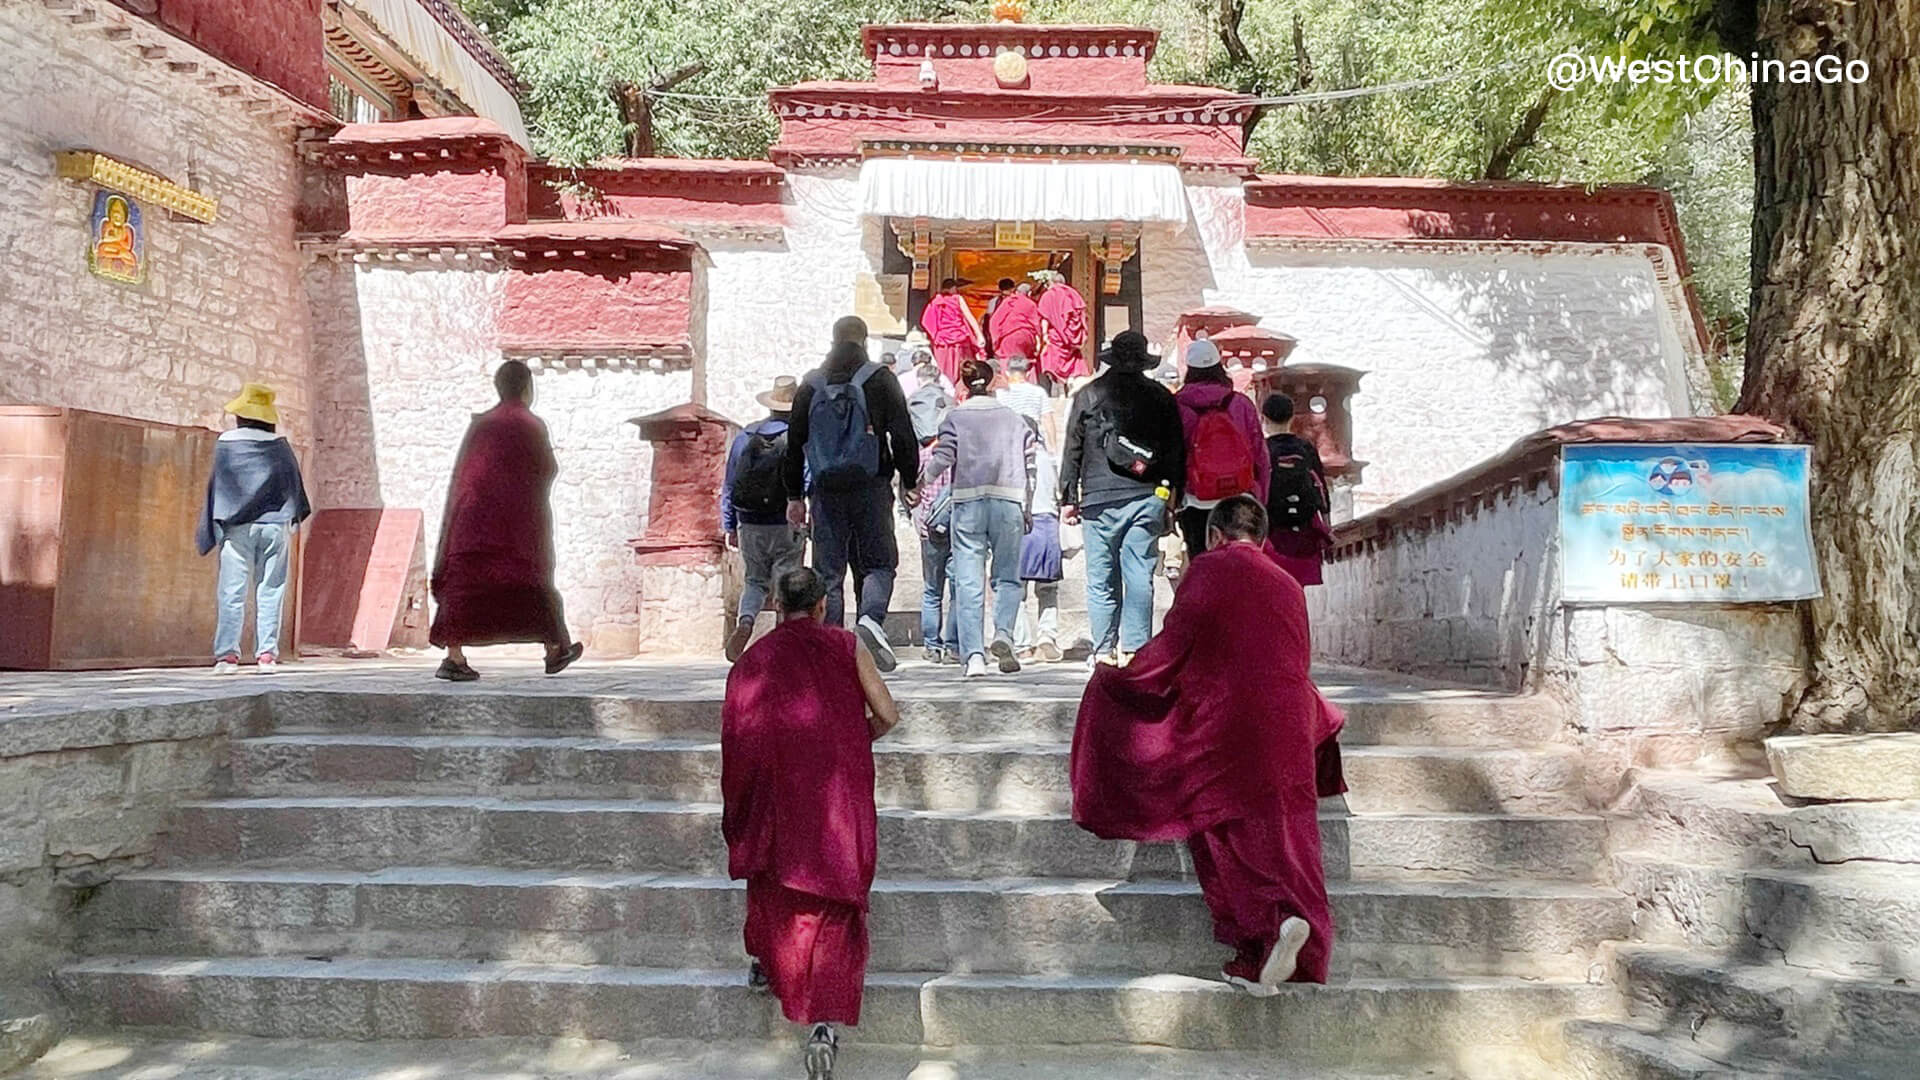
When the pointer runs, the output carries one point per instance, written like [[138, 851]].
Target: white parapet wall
[[1462, 582]]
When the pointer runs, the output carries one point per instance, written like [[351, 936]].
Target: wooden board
[[32, 468], [369, 579]]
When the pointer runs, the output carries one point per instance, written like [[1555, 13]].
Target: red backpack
[[1219, 461]]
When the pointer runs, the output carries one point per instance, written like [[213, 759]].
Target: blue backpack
[[843, 451]]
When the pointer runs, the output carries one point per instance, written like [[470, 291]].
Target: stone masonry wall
[[220, 303], [1465, 352], [1476, 598], [84, 795], [404, 357]]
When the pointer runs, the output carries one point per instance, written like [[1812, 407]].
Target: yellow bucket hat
[[255, 403]]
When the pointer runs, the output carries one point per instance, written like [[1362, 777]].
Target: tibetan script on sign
[[1725, 523]]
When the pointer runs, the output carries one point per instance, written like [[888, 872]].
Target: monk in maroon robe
[[952, 330], [1064, 312], [493, 571], [1015, 326], [1214, 735], [803, 707]]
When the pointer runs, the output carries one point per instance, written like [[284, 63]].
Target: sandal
[[558, 662], [453, 672]]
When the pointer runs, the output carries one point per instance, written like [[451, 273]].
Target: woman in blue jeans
[[989, 449], [254, 500]]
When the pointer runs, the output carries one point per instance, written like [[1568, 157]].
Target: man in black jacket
[[1123, 445], [849, 482]]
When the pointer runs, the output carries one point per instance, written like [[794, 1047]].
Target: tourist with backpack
[[990, 451], [933, 521], [1226, 446], [1296, 495], [1123, 458], [849, 438], [753, 508]]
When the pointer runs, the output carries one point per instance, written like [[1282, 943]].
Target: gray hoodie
[[990, 449]]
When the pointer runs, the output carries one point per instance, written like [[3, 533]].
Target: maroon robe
[[1015, 327], [952, 332], [1216, 735], [493, 571], [1065, 312], [796, 777]]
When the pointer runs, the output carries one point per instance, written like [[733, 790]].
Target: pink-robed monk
[[803, 707], [1065, 313], [952, 330], [1016, 328], [1216, 735]]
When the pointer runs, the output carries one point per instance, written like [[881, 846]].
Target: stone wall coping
[[1529, 461], [405, 144], [701, 172], [913, 38]]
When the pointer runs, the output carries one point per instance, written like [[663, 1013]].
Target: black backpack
[[759, 485], [1293, 491], [1107, 431]]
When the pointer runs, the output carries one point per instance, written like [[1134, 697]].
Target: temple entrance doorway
[[982, 269]]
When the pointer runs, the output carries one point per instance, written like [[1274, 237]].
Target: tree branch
[[1501, 164], [636, 106]]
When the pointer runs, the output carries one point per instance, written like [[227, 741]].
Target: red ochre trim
[[995, 35]]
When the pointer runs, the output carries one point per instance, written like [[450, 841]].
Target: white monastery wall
[[1465, 351], [1476, 598], [404, 359], [220, 303], [771, 307]]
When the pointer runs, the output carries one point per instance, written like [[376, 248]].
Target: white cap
[[1203, 354]]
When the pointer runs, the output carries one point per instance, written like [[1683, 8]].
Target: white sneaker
[[227, 665], [875, 637], [976, 666], [1285, 956]]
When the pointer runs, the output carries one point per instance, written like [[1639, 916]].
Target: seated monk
[[803, 707], [1216, 735], [493, 571]]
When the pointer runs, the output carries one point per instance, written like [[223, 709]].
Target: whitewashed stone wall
[[220, 304], [1477, 599], [403, 359], [772, 306], [1465, 352]]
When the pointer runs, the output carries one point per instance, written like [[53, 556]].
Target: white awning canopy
[[418, 34], [1091, 191]]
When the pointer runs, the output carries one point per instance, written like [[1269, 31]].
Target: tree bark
[[1833, 350], [636, 107], [1500, 166]]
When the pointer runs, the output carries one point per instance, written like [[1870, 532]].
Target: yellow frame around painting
[[89, 167]]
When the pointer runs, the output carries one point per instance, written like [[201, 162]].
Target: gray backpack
[[843, 450]]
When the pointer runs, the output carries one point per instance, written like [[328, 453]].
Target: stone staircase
[[1774, 941], [461, 864]]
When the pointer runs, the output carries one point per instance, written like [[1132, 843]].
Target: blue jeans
[[257, 551], [1120, 540], [986, 529], [856, 527], [936, 593]]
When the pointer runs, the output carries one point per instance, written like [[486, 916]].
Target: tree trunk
[[1833, 352], [1500, 166]]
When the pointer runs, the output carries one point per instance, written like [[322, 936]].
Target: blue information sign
[[1721, 523]]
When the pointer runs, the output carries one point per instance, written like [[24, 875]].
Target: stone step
[[1022, 778], [131, 1055], [1021, 926], [1688, 817], [1612, 1050], [1774, 1012], [1369, 1021], [935, 705], [1858, 920], [371, 832]]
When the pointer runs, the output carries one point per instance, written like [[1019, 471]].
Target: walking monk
[[803, 707], [1210, 736], [1064, 312], [1015, 323], [952, 329], [493, 570]]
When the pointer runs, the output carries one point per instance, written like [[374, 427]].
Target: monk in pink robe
[[1064, 312], [493, 570], [1016, 326], [1216, 735], [803, 707], [952, 330]]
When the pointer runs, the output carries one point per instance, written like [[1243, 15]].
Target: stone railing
[[1461, 581]]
